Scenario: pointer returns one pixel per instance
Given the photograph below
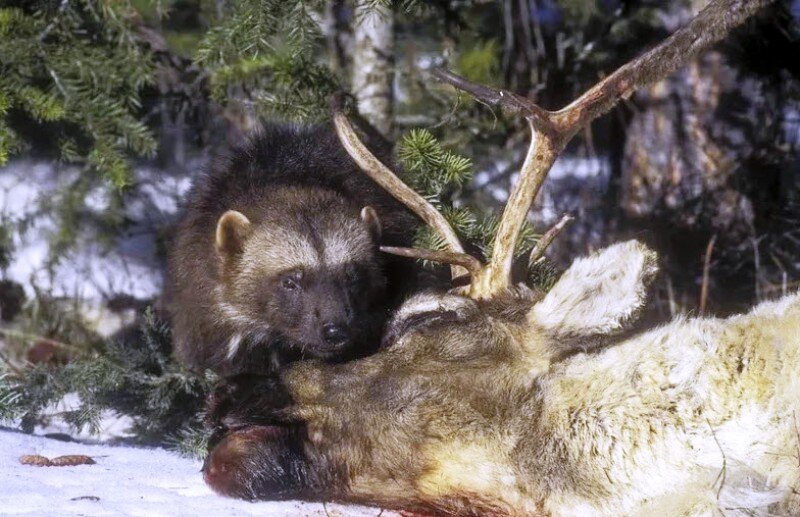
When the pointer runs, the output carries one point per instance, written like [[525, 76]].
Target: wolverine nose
[[334, 333]]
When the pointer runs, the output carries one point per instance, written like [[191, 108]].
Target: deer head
[[488, 401]]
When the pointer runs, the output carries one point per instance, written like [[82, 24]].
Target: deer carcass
[[495, 407], [499, 400]]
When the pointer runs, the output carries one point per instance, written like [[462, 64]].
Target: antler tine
[[464, 260], [498, 97], [542, 152], [545, 240], [550, 131], [384, 177]]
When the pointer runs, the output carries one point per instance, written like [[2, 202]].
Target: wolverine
[[276, 256]]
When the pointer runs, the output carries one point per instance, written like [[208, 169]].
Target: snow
[[89, 271], [571, 182], [125, 481]]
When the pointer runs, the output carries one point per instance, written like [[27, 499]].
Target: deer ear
[[373, 222], [232, 231], [599, 294]]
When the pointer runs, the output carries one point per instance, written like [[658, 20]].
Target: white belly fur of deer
[[694, 417], [529, 407]]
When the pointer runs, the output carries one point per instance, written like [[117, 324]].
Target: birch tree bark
[[373, 64]]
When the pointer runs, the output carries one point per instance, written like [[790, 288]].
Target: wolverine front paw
[[245, 400]]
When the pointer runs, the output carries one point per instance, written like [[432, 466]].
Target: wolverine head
[[305, 269]]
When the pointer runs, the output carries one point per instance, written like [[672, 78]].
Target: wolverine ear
[[599, 294], [373, 222], [232, 230]]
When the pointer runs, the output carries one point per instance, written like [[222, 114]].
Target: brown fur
[[480, 412], [284, 213]]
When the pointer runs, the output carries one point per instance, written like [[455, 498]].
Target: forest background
[[108, 109]]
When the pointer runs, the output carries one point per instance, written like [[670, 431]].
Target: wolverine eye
[[291, 281]]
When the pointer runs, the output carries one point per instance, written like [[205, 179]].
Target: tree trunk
[[678, 160], [674, 163], [373, 64]]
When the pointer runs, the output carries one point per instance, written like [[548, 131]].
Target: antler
[[384, 177], [552, 130], [463, 260]]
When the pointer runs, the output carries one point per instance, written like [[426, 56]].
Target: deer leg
[[258, 462]]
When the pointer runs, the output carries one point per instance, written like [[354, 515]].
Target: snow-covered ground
[[125, 481], [88, 271]]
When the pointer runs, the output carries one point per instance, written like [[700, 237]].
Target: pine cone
[[71, 460], [34, 460]]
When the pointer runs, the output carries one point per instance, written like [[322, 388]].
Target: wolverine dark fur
[[276, 257]]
